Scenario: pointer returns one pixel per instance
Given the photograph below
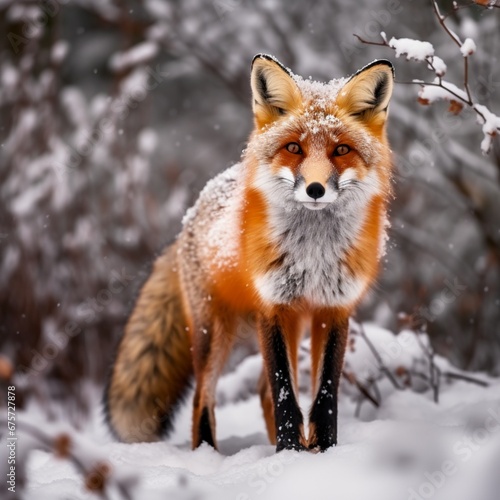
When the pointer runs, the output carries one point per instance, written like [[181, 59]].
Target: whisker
[[349, 182], [276, 185], [275, 189]]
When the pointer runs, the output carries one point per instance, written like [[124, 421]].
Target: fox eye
[[294, 148], [341, 150]]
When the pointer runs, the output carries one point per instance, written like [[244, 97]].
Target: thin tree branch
[[377, 356], [441, 19], [352, 379], [467, 378], [434, 371], [368, 42]]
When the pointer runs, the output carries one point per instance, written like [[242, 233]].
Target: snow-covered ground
[[407, 448]]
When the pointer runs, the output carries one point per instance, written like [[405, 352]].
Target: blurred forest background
[[114, 114]]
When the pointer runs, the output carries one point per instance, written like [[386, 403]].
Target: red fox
[[292, 235]]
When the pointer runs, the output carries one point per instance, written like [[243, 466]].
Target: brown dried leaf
[[401, 371], [424, 102], [455, 107], [96, 478], [62, 445]]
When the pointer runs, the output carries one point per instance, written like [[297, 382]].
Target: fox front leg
[[278, 338], [328, 345]]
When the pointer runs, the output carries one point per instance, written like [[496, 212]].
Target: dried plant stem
[[466, 378], [352, 379], [382, 366]]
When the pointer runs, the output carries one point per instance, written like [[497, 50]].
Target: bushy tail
[[153, 367]]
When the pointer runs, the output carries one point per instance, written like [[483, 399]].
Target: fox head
[[314, 143]]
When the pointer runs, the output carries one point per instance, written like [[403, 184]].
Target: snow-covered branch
[[440, 89]]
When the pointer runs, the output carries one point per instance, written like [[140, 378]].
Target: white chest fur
[[312, 248]]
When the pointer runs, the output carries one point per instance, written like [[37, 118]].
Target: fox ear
[[273, 90], [367, 93]]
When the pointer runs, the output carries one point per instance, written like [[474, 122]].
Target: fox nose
[[315, 190]]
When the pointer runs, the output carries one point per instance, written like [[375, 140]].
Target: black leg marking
[[324, 410], [287, 414], [205, 434]]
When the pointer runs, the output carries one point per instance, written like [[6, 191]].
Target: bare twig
[[376, 390], [352, 379], [371, 383], [441, 19], [367, 42], [456, 8], [377, 356], [467, 378], [434, 378]]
